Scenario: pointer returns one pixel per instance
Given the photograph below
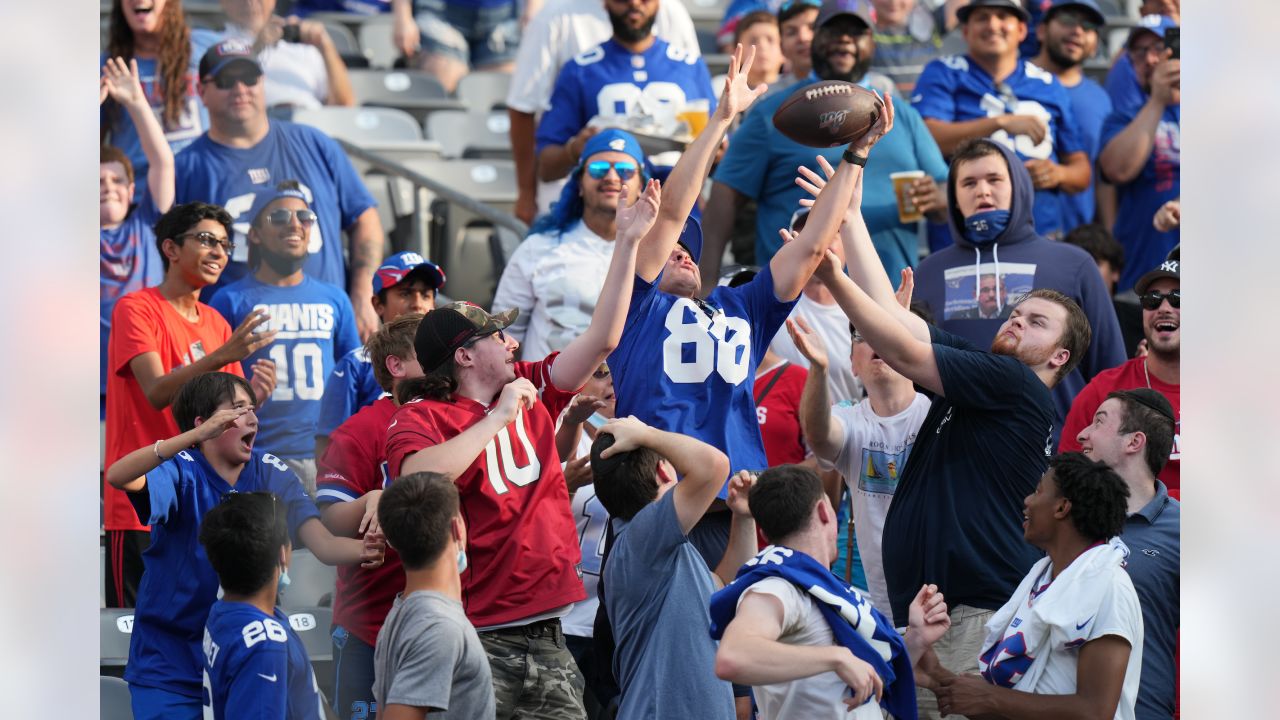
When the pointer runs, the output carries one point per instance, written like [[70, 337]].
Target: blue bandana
[[568, 209]]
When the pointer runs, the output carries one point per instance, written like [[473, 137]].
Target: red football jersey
[[779, 414], [522, 543], [352, 465]]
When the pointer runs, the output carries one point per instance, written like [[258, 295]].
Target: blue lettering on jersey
[[1006, 662]]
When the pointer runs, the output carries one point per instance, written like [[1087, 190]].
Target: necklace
[[1146, 373]]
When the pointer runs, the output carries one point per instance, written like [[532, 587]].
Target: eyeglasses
[[209, 241], [283, 216], [1071, 19], [227, 79], [1145, 51], [1152, 300], [597, 169], [502, 338]]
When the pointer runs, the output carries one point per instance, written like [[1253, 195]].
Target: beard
[[283, 265], [824, 71], [626, 33], [1059, 58]]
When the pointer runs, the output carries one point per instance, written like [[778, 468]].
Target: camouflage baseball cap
[[451, 326]]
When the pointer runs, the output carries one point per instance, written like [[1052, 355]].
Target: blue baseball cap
[[1155, 24], [1089, 7], [1013, 6], [263, 199], [403, 265], [691, 238], [225, 54], [615, 140]]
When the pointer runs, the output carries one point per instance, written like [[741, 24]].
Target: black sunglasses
[[1152, 300], [601, 374], [283, 216], [226, 80], [501, 338], [210, 241]]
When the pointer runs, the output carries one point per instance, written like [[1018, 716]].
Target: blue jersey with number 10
[[610, 80], [256, 667], [314, 326], [954, 88], [681, 370]]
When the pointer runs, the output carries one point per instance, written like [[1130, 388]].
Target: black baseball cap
[[1167, 269], [832, 9], [1088, 7], [448, 328], [962, 13], [224, 55]]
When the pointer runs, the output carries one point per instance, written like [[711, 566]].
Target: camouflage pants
[[534, 675]]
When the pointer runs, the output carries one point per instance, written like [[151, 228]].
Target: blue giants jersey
[[211, 172], [350, 386], [682, 370], [955, 89], [315, 326], [610, 80], [179, 585], [256, 667]]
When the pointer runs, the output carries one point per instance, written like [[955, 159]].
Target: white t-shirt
[[813, 698], [563, 29], [831, 324], [871, 459], [555, 281], [295, 72]]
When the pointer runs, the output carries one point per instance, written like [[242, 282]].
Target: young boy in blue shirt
[[172, 484]]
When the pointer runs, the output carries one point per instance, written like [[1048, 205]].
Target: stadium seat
[[414, 92], [375, 41], [463, 134], [314, 626], [483, 91], [114, 702], [115, 631], [707, 13], [362, 125], [344, 41], [310, 581]]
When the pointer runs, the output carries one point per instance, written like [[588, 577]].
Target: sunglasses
[[791, 4], [210, 241], [1143, 51], [1007, 97], [597, 169], [283, 216], [502, 338], [1152, 300], [601, 374], [227, 80], [1071, 19]]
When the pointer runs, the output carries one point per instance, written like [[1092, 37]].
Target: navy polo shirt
[[1153, 535]]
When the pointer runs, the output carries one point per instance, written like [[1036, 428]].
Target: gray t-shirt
[[429, 656], [657, 591]]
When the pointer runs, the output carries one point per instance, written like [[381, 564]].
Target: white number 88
[[721, 343]]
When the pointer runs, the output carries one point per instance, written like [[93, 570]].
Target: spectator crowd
[[749, 428]]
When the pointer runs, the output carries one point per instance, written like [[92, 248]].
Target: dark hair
[[394, 338], [110, 154], [415, 512], [172, 58], [182, 218], [242, 536], [755, 17], [1075, 336], [1098, 241], [782, 500], [437, 384], [972, 149], [625, 482], [1157, 427], [200, 396], [1099, 498]]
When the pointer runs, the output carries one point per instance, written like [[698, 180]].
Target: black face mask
[[818, 55], [628, 34]]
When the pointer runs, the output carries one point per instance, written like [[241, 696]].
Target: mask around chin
[[984, 227]]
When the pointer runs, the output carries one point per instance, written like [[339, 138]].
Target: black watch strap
[[854, 159]]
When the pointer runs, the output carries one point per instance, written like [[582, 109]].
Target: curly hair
[[172, 59], [1098, 497]]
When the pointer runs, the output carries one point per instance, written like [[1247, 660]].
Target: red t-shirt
[[779, 414], [522, 543], [143, 322], [352, 465], [1129, 376]]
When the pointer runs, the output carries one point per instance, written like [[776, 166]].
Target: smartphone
[[1172, 40], [292, 33]]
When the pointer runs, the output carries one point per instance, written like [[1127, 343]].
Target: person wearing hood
[[555, 276], [761, 162], [315, 323], [991, 202]]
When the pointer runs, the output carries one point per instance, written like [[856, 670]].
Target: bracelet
[[853, 159], [156, 449]]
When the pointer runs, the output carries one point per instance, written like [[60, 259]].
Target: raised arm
[[122, 84], [1123, 158], [823, 431], [742, 544], [585, 353], [129, 472], [159, 387], [332, 550], [686, 178]]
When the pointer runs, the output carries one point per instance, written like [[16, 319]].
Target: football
[[828, 114]]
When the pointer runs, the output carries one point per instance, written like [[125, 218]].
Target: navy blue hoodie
[[945, 281]]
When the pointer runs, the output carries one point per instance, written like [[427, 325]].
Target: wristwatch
[[854, 159]]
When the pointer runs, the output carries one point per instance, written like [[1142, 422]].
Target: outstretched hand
[[220, 422], [813, 183], [634, 221], [906, 288], [928, 618], [739, 488], [737, 96], [121, 82], [808, 342], [882, 126]]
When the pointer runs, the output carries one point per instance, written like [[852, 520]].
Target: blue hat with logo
[[691, 238], [1089, 7], [613, 139], [225, 54], [404, 265], [1156, 24]]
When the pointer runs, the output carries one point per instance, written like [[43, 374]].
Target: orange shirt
[[142, 322]]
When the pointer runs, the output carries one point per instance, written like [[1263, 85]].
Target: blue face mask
[[983, 227], [284, 578], [462, 561]]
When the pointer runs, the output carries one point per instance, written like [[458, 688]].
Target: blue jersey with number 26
[[256, 667], [681, 370]]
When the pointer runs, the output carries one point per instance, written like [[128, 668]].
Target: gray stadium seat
[[310, 580], [344, 41], [362, 125], [707, 12], [414, 92], [471, 134], [483, 91], [375, 41], [314, 626], [114, 702], [115, 631]]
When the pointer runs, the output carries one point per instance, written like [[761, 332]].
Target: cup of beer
[[695, 114], [902, 181]]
